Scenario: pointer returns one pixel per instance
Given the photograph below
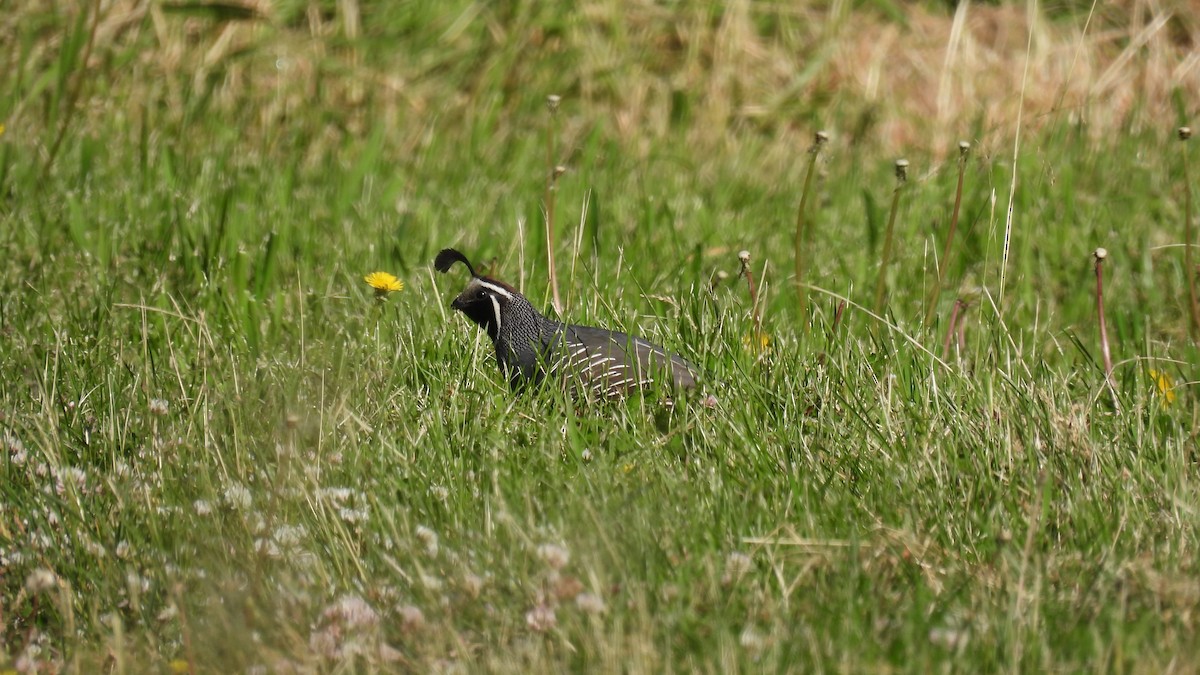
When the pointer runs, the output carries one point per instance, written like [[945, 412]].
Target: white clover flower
[[238, 497], [736, 567], [555, 557], [429, 539], [751, 640], [590, 603], [411, 617], [159, 406], [541, 618], [40, 580]]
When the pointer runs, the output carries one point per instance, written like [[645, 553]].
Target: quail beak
[[458, 304]]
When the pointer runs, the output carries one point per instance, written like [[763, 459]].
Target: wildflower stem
[[1188, 267], [885, 260], [801, 224], [551, 189], [963, 148], [744, 258], [1100, 255]]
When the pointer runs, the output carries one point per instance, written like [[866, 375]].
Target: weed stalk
[[801, 223], [1100, 255], [885, 260], [1188, 268], [744, 259], [964, 148], [553, 171]]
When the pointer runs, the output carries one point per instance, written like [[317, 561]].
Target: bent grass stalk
[[888, 235], [963, 149], [958, 306], [801, 243]]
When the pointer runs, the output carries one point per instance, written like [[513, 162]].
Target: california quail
[[531, 348]]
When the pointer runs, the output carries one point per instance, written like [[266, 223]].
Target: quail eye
[[481, 294]]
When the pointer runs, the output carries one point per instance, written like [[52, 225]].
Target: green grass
[[853, 501]]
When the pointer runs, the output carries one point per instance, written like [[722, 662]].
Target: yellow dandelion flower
[[2, 128], [179, 666], [1165, 385], [383, 283]]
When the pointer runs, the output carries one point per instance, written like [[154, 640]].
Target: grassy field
[[220, 452]]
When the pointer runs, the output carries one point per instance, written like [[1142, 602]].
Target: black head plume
[[446, 259]]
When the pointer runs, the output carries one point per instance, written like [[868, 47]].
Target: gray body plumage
[[531, 348]]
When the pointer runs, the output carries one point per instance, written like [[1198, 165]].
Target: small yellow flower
[[383, 283], [1165, 385], [2, 128], [179, 666], [761, 345]]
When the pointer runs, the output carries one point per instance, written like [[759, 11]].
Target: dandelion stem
[[1100, 255], [744, 258], [801, 223], [1188, 268], [885, 260], [553, 172], [963, 148]]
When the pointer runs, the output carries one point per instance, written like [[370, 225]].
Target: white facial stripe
[[496, 308], [498, 290]]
